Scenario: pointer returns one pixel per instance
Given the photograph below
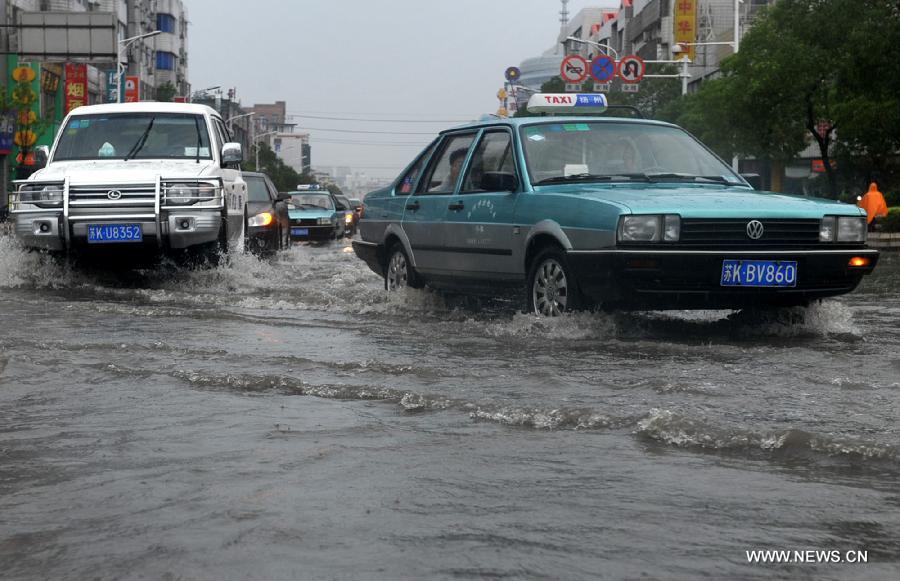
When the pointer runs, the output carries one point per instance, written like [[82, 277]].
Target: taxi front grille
[[777, 233], [304, 222]]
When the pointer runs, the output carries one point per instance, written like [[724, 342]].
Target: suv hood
[[120, 171], [714, 201]]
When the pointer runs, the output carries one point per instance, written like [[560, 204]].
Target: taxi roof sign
[[567, 103]]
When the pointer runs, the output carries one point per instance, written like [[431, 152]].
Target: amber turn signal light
[[859, 261]]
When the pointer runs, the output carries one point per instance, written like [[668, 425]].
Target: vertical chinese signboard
[[686, 25], [132, 90], [76, 86]]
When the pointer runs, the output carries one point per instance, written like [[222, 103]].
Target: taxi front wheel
[[552, 289], [398, 272]]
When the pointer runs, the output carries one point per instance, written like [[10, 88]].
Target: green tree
[[801, 74], [166, 92], [282, 175]]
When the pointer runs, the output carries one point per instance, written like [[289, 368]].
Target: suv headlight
[[185, 194], [649, 228], [42, 195], [842, 229]]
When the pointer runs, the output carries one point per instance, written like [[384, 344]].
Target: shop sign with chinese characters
[[76, 86], [686, 25]]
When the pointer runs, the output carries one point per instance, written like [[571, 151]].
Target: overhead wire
[[363, 120]]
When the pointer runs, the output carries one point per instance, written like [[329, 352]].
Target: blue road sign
[[603, 68]]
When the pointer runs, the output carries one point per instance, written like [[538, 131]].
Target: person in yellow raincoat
[[874, 205]]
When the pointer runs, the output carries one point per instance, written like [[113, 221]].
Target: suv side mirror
[[499, 181], [232, 153], [41, 155], [282, 197]]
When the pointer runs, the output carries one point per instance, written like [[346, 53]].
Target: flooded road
[[287, 419]]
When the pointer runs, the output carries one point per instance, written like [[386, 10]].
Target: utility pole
[[4, 75]]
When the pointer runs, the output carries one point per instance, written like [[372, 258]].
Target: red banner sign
[[132, 89], [76, 86]]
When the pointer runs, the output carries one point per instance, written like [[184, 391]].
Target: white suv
[[152, 177]]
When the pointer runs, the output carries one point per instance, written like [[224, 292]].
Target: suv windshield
[[606, 151], [322, 201], [135, 136]]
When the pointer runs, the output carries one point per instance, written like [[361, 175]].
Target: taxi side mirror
[[499, 181], [754, 179]]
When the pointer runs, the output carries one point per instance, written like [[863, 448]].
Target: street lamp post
[[256, 139], [604, 47], [230, 121], [120, 66]]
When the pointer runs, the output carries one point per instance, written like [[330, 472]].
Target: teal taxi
[[617, 213], [314, 215]]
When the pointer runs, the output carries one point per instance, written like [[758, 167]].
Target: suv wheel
[[398, 272], [552, 289]]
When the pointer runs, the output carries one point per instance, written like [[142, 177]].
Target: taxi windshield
[[312, 201], [612, 151], [133, 136]]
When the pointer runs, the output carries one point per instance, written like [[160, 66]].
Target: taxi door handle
[[456, 206], [414, 206]]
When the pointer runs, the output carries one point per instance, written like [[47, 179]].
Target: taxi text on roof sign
[[559, 102]]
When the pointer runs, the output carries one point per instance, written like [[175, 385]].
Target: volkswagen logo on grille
[[114, 194], [755, 229]]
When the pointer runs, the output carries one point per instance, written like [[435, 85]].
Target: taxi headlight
[[649, 228], [851, 229], [826, 229], [324, 220], [43, 195], [262, 219]]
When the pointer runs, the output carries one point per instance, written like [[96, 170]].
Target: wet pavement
[[287, 419]]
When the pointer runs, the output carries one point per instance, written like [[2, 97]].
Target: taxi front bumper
[[691, 279]]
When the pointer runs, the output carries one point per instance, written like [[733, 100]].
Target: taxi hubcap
[[551, 290], [397, 276]]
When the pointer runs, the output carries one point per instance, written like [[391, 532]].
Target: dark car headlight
[[649, 228], [261, 219]]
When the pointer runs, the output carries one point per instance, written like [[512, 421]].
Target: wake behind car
[[620, 213], [315, 215], [267, 224], [154, 178]]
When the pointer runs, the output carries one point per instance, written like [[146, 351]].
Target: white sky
[[381, 59]]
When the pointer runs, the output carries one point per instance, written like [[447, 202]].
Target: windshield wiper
[[684, 176], [579, 177], [199, 138], [141, 141]]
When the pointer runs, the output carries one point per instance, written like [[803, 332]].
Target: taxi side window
[[408, 182], [442, 174], [494, 154]]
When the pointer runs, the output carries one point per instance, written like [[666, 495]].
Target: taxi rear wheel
[[552, 289], [398, 271]]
